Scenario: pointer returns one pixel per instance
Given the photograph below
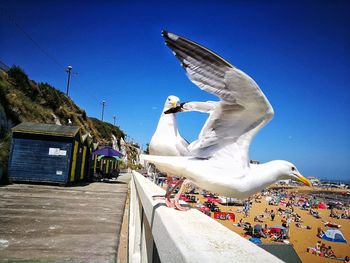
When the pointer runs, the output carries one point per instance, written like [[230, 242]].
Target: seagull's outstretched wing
[[243, 108]]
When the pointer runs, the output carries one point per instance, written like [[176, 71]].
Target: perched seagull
[[219, 159], [167, 141]]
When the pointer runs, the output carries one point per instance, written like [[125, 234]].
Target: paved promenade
[[44, 223]]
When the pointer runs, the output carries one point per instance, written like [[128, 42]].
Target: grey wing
[[243, 108]]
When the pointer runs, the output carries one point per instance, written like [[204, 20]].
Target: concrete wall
[[158, 233]]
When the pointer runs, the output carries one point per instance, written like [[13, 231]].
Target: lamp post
[[68, 70], [114, 117], [103, 108]]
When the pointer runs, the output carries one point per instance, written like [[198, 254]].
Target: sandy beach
[[300, 238]]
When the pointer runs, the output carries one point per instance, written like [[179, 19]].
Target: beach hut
[[334, 235], [46, 153], [106, 160], [86, 150]]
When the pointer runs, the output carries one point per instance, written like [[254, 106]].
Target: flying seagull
[[219, 160]]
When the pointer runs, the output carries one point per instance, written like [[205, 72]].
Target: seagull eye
[[293, 168]]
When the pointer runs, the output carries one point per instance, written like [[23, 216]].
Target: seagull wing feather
[[243, 108]]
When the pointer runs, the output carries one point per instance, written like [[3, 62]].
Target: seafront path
[[43, 223]]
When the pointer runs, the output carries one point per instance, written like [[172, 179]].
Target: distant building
[[49, 153], [315, 181], [284, 182]]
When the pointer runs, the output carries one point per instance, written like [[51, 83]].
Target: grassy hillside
[[22, 99]]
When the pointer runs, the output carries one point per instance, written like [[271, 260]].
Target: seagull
[[219, 159], [167, 141]]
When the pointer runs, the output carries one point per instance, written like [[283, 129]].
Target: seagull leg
[[166, 197], [184, 184], [168, 201]]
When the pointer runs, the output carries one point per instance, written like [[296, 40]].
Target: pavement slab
[[45, 223]]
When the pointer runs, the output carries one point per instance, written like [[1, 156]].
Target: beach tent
[[276, 229], [213, 200], [322, 205], [224, 216], [257, 228], [334, 235], [255, 240]]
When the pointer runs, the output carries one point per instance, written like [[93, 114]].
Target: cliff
[[22, 99]]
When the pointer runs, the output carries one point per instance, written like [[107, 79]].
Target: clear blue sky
[[297, 51]]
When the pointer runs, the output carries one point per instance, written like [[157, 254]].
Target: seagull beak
[[175, 109], [302, 179], [174, 104]]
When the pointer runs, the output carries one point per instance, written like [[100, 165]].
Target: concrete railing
[[161, 234]]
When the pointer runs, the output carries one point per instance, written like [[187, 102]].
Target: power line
[[47, 54], [20, 28]]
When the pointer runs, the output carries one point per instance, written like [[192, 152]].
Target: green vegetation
[[24, 100]]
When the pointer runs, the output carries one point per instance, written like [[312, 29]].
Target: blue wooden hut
[[47, 153]]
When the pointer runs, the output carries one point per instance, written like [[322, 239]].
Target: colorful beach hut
[[106, 160], [46, 153]]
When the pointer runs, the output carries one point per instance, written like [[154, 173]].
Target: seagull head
[[171, 105], [288, 170]]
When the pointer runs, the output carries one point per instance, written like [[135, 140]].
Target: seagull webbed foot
[[179, 207]]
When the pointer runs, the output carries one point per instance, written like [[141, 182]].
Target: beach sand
[[300, 238]]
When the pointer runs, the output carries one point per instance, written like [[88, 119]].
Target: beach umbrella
[[334, 235]]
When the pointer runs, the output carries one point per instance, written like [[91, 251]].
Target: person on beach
[[330, 252], [273, 215], [318, 247], [320, 232], [347, 259], [323, 249], [265, 230], [315, 250]]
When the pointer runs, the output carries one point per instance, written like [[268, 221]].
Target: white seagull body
[[166, 140], [219, 160]]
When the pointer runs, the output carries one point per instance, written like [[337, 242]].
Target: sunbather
[[320, 232], [330, 252]]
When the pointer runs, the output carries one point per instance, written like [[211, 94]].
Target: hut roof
[[46, 129]]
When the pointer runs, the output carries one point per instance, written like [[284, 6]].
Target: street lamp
[[68, 70], [103, 108]]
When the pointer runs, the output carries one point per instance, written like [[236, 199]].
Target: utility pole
[[68, 70], [103, 108], [114, 117]]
